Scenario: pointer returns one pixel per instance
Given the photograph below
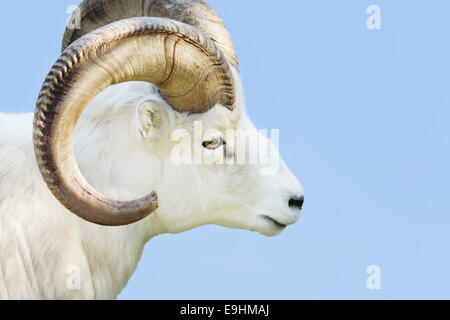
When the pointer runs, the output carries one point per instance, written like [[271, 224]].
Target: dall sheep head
[[181, 46]]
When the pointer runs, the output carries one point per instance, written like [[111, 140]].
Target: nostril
[[297, 202]]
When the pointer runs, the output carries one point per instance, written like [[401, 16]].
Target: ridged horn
[[187, 67], [93, 14]]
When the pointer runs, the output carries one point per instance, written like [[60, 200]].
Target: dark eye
[[213, 144]]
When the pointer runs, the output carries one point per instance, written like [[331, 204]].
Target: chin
[[268, 226], [271, 230], [271, 227]]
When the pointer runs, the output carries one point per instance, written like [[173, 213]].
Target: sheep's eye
[[213, 144]]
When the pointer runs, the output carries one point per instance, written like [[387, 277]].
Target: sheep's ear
[[151, 116]]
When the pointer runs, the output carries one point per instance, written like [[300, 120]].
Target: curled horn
[[93, 14], [189, 69]]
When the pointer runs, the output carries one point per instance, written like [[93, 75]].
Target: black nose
[[296, 202]]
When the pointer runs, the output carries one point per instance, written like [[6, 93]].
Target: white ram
[[53, 221]]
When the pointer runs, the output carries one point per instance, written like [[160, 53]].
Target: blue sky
[[364, 119]]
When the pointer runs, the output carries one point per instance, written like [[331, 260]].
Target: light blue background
[[364, 118]]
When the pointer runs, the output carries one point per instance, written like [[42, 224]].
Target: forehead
[[219, 118]]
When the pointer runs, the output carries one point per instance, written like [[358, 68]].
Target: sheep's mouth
[[275, 222]]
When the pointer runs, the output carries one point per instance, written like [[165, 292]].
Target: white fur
[[123, 147]]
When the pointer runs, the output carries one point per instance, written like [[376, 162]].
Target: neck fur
[[112, 162]]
